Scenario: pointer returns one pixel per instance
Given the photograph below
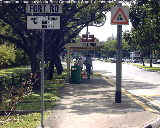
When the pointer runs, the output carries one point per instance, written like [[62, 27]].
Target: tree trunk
[[35, 66], [50, 70], [150, 62], [142, 61], [56, 61], [150, 56], [58, 65], [141, 56]]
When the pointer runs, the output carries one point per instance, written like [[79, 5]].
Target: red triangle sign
[[120, 16]]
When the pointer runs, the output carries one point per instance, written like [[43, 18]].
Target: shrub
[[14, 88], [7, 55]]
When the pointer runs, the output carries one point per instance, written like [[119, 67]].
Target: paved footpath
[[91, 105]]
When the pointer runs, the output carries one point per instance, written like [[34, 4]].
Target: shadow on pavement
[[133, 85], [94, 96], [91, 104]]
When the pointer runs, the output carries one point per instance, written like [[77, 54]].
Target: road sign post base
[[118, 97]]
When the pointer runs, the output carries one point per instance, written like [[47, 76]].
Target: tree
[[135, 42], [144, 16], [13, 17], [21, 58], [74, 18], [110, 48]]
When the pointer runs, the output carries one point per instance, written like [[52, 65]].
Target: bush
[[7, 55], [15, 87]]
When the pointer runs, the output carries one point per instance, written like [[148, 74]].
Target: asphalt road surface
[[143, 84]]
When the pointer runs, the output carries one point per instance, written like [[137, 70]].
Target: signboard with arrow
[[43, 22]]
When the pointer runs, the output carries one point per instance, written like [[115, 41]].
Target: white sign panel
[[92, 44], [119, 15], [43, 22], [84, 45], [43, 8]]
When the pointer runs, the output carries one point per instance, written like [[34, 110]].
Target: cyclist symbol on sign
[[120, 18]]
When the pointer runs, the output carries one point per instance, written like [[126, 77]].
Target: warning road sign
[[119, 15]]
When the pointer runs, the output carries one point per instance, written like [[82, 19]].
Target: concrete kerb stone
[[43, 127], [130, 95], [151, 124]]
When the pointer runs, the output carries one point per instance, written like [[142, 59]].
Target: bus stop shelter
[[79, 47]]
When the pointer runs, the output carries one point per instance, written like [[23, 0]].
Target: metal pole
[[87, 34], [68, 64], [118, 63], [87, 31], [42, 80]]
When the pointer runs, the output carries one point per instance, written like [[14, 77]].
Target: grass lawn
[[20, 121], [148, 68], [4, 72], [32, 103]]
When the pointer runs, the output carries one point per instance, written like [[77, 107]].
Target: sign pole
[[68, 64], [118, 63], [41, 21], [42, 80]]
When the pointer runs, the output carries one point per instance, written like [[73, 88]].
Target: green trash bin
[[75, 74]]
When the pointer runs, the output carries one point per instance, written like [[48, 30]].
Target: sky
[[107, 30]]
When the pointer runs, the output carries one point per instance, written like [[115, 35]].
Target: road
[[143, 84]]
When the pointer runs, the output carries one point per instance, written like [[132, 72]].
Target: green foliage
[[21, 58], [16, 90], [110, 48], [32, 102], [17, 94], [13, 89], [17, 70], [11, 56], [144, 15], [73, 19], [148, 68], [20, 121], [7, 55]]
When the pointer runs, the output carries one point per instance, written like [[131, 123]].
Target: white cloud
[[107, 30]]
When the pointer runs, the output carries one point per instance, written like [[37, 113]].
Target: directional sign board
[[84, 46], [43, 8], [119, 15], [40, 16], [43, 22]]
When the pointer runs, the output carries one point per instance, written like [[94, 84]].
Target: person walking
[[88, 64], [80, 63]]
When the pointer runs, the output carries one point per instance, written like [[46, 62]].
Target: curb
[[131, 96], [154, 124]]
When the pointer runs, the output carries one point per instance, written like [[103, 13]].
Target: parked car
[[113, 60], [128, 60], [157, 62], [136, 61]]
